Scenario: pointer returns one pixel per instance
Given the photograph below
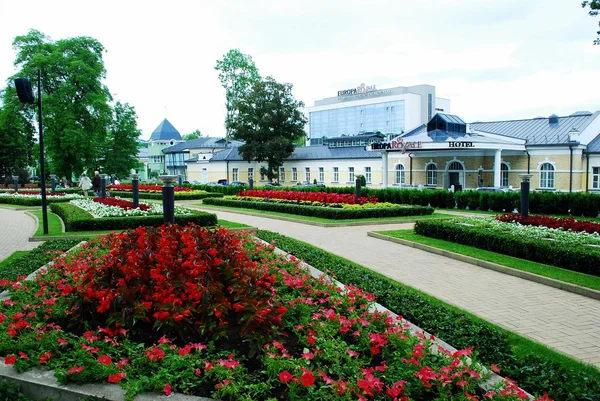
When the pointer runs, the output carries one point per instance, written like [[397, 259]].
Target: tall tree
[[194, 135], [75, 101], [121, 145], [237, 73], [16, 134], [268, 120], [594, 7]]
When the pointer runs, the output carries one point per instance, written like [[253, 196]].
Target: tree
[[16, 134], [268, 120], [121, 145], [194, 135], [594, 7], [76, 102], [237, 74]]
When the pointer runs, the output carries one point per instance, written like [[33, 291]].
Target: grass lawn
[[19, 207], [556, 273], [320, 219], [231, 224], [14, 256]]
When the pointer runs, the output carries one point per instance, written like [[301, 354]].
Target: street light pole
[[42, 169]]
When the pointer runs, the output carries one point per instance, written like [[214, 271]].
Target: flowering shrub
[[116, 207], [322, 197], [148, 188], [98, 315], [122, 203], [38, 195], [551, 222]]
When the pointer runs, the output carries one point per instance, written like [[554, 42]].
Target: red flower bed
[[322, 197], [566, 223], [151, 188], [123, 204]]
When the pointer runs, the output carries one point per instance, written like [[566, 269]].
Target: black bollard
[[525, 186], [135, 187], [168, 193], [53, 184], [179, 182], [16, 182], [357, 190], [251, 183], [103, 185]]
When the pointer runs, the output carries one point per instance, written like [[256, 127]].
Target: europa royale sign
[[360, 89], [398, 144]]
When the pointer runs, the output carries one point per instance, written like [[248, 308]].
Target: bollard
[[525, 184], [53, 184], [251, 183], [168, 193], [135, 188], [16, 182], [357, 190], [179, 181], [103, 185]]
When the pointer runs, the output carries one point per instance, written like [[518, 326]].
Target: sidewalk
[[15, 229], [567, 322]]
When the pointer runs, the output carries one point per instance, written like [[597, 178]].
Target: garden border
[[550, 282]]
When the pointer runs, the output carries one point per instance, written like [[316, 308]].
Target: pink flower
[[122, 363], [167, 389]]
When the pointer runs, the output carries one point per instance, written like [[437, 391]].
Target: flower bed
[[187, 195], [121, 203], [115, 207], [148, 188], [334, 213], [321, 197], [35, 199], [551, 222], [578, 251], [210, 313]]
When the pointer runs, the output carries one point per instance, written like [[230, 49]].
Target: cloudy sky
[[494, 59]]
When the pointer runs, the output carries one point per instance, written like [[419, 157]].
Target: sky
[[494, 59]]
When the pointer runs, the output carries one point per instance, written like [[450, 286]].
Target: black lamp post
[[25, 95], [168, 193], [16, 182], [525, 182]]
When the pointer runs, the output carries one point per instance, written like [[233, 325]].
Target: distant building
[[164, 136]]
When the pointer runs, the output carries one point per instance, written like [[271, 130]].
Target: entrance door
[[454, 178], [204, 177]]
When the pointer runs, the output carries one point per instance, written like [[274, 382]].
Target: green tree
[[16, 134], [237, 73], [194, 135], [594, 7], [75, 101], [121, 145], [268, 120]]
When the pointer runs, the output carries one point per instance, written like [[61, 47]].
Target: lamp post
[[525, 182], [135, 189], [16, 182], [168, 193], [25, 95], [103, 186], [53, 184]]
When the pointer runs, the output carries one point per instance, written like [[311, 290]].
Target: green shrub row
[[77, 219], [36, 258], [323, 212], [158, 195], [535, 373], [578, 258], [9, 200], [222, 189]]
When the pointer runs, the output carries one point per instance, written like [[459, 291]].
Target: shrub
[[158, 195]]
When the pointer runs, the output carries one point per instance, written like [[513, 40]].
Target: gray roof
[[199, 143], [451, 118], [538, 131], [356, 137], [416, 131], [309, 153], [594, 146], [165, 131]]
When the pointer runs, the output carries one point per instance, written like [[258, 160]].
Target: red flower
[[495, 368], [122, 363], [23, 355], [44, 357], [307, 378], [285, 376], [62, 342], [105, 360], [167, 389], [10, 359], [154, 354], [117, 377], [75, 369]]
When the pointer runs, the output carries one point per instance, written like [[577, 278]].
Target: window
[[250, 173], [321, 174], [351, 174], [547, 176], [336, 174], [504, 175], [235, 175], [368, 174], [400, 174], [596, 177], [281, 173], [431, 174], [294, 174], [307, 173]]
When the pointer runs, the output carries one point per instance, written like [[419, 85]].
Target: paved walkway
[[567, 322], [15, 229]]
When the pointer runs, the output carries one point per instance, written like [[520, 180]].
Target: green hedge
[[323, 212], [222, 189], [77, 219], [30, 201], [578, 258], [535, 373], [158, 195]]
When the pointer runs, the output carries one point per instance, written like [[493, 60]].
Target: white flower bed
[[99, 210], [32, 196], [532, 232]]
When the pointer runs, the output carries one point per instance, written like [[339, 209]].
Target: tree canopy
[[268, 120], [594, 7], [121, 146], [16, 134], [194, 135], [237, 73]]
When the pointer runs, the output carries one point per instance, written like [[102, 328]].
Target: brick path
[[15, 229], [567, 322]]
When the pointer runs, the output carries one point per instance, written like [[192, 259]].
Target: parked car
[[239, 183], [272, 184], [493, 189]]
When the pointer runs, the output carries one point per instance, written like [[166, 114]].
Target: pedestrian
[[117, 182], [96, 183], [85, 183]]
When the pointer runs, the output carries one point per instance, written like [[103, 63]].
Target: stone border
[[550, 282]]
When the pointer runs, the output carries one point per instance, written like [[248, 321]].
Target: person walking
[[85, 183], [96, 183]]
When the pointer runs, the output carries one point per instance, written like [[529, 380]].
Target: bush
[[9, 200], [323, 212], [158, 195], [77, 219]]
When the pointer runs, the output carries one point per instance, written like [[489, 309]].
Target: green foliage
[[13, 200], [535, 372], [223, 189], [77, 219], [194, 135], [120, 148], [11, 391], [323, 212], [158, 195], [268, 120], [572, 257], [16, 133], [594, 6], [363, 181]]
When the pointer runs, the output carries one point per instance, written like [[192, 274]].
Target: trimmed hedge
[[535, 373], [77, 219], [158, 195], [578, 258], [30, 201], [323, 212]]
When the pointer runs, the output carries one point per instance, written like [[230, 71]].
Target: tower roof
[[165, 131]]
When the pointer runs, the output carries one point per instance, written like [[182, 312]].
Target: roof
[[200, 143], [309, 153], [594, 146], [538, 131], [165, 131], [450, 118], [356, 137]]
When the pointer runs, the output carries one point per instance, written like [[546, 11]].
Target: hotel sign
[[360, 89], [461, 144], [397, 144]]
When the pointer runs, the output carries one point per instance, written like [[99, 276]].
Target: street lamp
[[25, 95]]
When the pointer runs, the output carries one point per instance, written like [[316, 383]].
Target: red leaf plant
[[299, 196], [146, 188], [123, 204], [566, 223], [182, 281]]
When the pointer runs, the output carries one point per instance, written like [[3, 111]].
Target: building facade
[[164, 136]]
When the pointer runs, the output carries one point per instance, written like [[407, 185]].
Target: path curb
[[561, 285]]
